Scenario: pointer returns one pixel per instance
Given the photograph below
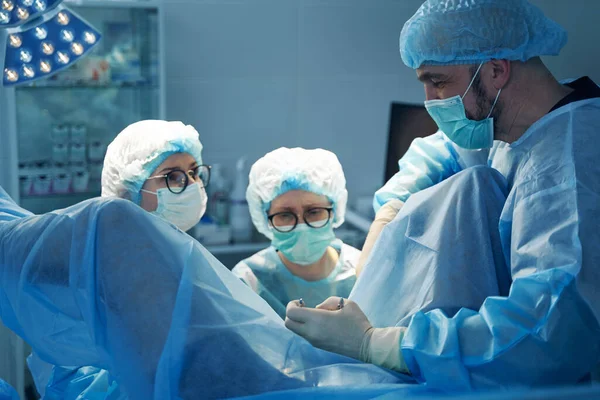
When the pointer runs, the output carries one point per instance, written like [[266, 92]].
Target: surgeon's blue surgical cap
[[451, 32], [282, 170], [139, 149]]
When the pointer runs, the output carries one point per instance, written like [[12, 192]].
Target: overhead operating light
[[41, 37], [18, 12]]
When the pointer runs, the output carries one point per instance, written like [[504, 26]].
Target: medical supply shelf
[[120, 82]]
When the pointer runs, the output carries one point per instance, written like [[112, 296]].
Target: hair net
[[139, 149], [448, 32], [317, 171]]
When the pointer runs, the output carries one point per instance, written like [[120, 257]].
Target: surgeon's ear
[[500, 73]]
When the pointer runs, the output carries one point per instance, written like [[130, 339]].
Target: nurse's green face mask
[[301, 223], [304, 245]]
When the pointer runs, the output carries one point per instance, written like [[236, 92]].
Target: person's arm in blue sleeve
[[543, 332], [428, 161]]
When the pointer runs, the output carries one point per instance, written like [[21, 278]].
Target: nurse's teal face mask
[[450, 116], [304, 245]]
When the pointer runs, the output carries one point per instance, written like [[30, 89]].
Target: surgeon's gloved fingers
[[352, 309], [297, 327], [331, 304], [312, 330], [296, 303], [297, 312], [341, 331], [291, 307]]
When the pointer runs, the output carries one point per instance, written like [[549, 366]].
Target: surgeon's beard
[[483, 104]]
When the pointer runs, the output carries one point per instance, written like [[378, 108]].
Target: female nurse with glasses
[[296, 198], [157, 165]]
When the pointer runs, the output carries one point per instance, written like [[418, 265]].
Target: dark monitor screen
[[407, 122]]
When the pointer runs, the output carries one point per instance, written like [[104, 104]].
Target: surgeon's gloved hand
[[344, 331], [384, 216]]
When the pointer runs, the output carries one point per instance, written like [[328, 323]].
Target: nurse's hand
[[343, 331]]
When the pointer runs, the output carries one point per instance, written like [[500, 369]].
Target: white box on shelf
[[77, 152], [60, 134], [42, 184], [81, 180], [61, 182], [60, 152], [79, 134]]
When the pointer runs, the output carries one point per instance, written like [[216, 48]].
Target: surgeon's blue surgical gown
[[545, 329]]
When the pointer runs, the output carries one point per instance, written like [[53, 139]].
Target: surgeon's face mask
[[304, 245], [450, 116], [184, 209]]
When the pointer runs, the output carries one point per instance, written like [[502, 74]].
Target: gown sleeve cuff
[[381, 347]]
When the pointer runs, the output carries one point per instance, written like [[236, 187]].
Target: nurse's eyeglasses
[[286, 221], [177, 180]]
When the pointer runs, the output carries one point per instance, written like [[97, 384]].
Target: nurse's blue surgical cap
[[452, 32], [139, 149], [318, 171]]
